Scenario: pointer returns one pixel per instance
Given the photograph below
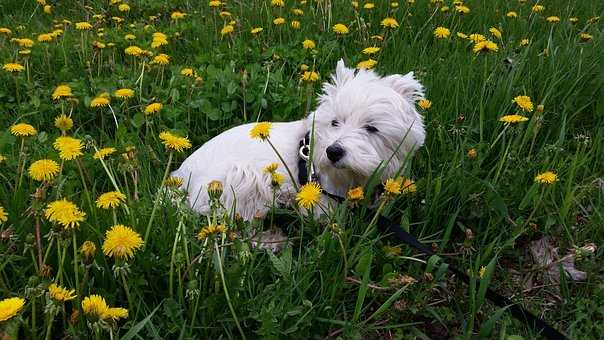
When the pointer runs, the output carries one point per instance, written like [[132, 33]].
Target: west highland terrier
[[362, 121]]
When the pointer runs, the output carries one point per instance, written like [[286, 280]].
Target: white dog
[[360, 123]]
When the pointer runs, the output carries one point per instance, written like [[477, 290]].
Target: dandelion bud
[[75, 316], [540, 108], [215, 189], [472, 153], [46, 270], [88, 251]]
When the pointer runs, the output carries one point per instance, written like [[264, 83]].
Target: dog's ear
[[342, 75], [407, 86]]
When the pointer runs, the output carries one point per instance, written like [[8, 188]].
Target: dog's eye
[[370, 128], [335, 123]]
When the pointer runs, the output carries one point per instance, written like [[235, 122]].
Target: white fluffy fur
[[354, 99]]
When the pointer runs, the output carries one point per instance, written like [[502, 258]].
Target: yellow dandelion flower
[[477, 37], [370, 50], [177, 15], [297, 12], [13, 67], [472, 153], [573, 20], [124, 93], [24, 42], [116, 313], [524, 42], [4, 30], [99, 102], [3, 215], [95, 306], [124, 8], [513, 119], [60, 294], [130, 37], [187, 72], [340, 29], [485, 46], [553, 19], [133, 50], [310, 76], [495, 32], [279, 21], [425, 104], [309, 195], [45, 37], [295, 24], [121, 242], [441, 32], [367, 64], [524, 102], [110, 200], [153, 108], [104, 152], [2, 158], [355, 194], [65, 213], [278, 3], [277, 179], [209, 230], [261, 130], [369, 5], [63, 122], [537, 8], [462, 9], [389, 23], [511, 14], [174, 142], [162, 59], [228, 29], [407, 185], [83, 26], [43, 170], [547, 177], [10, 307], [308, 44], [269, 169], [62, 91], [173, 182], [23, 130], [69, 148], [256, 30], [585, 37], [392, 187]]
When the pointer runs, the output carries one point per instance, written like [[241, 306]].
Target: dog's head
[[363, 120]]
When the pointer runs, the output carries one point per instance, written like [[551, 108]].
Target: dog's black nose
[[335, 152]]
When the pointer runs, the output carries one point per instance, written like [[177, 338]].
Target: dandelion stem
[[39, 243], [156, 203], [127, 290], [172, 259], [226, 292], [21, 165], [76, 264], [291, 176], [51, 318]]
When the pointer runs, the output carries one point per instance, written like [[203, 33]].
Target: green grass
[[340, 278]]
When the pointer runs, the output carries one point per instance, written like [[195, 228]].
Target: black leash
[[388, 227]]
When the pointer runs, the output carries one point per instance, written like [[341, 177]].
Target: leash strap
[[387, 226]]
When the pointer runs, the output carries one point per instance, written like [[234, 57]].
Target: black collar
[[303, 166]]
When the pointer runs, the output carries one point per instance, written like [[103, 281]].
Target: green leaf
[[365, 264], [137, 328]]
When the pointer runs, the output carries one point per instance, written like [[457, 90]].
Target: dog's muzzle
[[335, 152]]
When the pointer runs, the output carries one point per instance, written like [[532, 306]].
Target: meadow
[[100, 99]]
